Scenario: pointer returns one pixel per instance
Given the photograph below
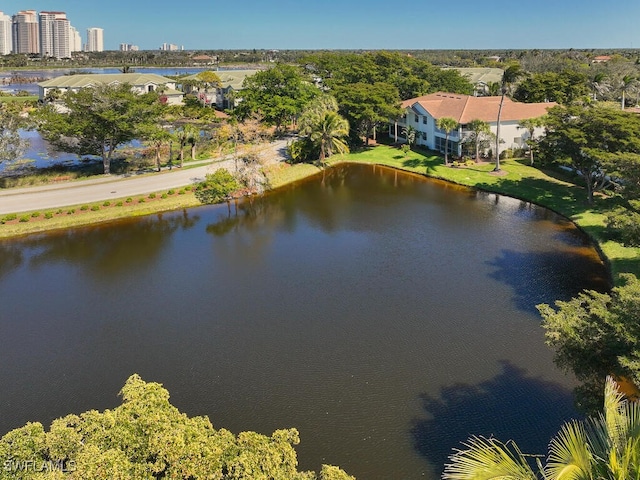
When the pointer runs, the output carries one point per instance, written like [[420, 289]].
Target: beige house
[[225, 96], [140, 83], [421, 113]]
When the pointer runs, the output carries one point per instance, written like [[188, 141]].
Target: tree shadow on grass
[[510, 406]]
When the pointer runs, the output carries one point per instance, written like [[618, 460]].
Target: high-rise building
[[76, 40], [95, 39], [55, 35], [127, 47], [6, 36], [26, 38]]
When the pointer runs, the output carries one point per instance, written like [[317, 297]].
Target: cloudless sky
[[352, 24]]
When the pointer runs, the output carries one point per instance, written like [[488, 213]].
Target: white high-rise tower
[[55, 35], [95, 39], [6, 37]]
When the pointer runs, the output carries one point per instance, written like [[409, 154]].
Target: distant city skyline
[[357, 24]]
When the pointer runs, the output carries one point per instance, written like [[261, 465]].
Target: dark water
[[385, 316]]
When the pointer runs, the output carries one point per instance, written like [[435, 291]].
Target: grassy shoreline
[[549, 189]]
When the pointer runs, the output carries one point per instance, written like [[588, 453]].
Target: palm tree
[[187, 134], [530, 124], [328, 133], [510, 75], [446, 124], [599, 85], [410, 134], [480, 130], [605, 447], [627, 84]]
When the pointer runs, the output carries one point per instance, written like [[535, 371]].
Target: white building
[[140, 83], [55, 35], [127, 47], [25, 32], [76, 40], [95, 39], [422, 113], [6, 37]]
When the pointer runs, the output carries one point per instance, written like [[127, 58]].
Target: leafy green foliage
[[278, 94], [564, 87], [12, 146], [624, 225], [605, 447], [597, 334], [324, 127], [594, 141], [216, 187], [96, 120], [146, 438], [367, 105]]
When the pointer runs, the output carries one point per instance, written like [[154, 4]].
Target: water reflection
[[332, 305], [492, 408]]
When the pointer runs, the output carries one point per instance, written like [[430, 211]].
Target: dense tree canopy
[[96, 120], [278, 94], [367, 105], [591, 140], [564, 87], [410, 76], [597, 334], [147, 438]]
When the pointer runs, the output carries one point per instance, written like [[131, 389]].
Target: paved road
[[17, 200]]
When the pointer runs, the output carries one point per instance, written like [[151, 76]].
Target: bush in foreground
[[147, 438], [216, 187]]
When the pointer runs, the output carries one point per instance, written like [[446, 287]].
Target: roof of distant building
[[230, 78], [85, 80], [465, 108]]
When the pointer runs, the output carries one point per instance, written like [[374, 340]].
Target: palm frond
[[570, 457], [487, 459]]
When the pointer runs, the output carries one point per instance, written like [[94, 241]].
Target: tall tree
[[530, 125], [599, 84], [278, 94], [627, 85], [604, 447], [590, 140], [187, 134], [96, 120], [479, 133], [596, 334], [12, 119], [447, 125], [509, 76], [367, 105]]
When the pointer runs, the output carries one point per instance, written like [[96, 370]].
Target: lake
[[384, 315]]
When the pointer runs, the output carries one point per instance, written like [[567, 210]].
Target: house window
[[424, 119], [417, 118], [424, 136]]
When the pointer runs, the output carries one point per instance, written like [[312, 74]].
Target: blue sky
[[353, 24]]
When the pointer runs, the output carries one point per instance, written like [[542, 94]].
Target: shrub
[[129, 200], [188, 188], [180, 192], [106, 203], [141, 200], [48, 215], [71, 212], [9, 217], [35, 214], [24, 218], [171, 192], [119, 204], [95, 208], [84, 207], [624, 225], [164, 195], [59, 211], [216, 187], [152, 195]]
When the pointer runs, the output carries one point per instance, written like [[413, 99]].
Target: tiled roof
[[230, 78], [85, 80], [464, 108]]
